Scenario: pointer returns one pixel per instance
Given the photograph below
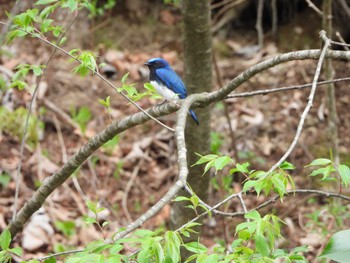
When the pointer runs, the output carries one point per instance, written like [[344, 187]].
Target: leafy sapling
[[5, 251], [328, 167]]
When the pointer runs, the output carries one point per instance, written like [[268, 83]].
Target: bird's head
[[155, 63]]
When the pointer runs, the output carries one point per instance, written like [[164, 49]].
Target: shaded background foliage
[[128, 35]]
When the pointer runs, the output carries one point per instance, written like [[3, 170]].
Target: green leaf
[[47, 11], [13, 34], [181, 198], [261, 244], [92, 206], [37, 70], [243, 168], [185, 233], [32, 13], [320, 161], [172, 246], [214, 258], [144, 233], [71, 4], [208, 166], [5, 256], [205, 158], [249, 184], [202, 258], [279, 186], [17, 251], [125, 77], [114, 259], [191, 258], [149, 87], [66, 227], [195, 247], [338, 247], [90, 220], [4, 179], [253, 215], [44, 2], [194, 200], [325, 171], [159, 252], [344, 172], [287, 166], [5, 239], [221, 162]]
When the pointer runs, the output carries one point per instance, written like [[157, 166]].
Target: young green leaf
[[344, 172], [196, 247], [287, 166], [279, 185], [261, 244], [17, 251], [125, 77], [5, 239], [71, 4], [338, 247], [325, 171], [44, 2], [181, 198], [221, 162], [320, 161]]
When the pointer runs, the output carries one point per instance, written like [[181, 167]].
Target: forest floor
[[138, 167]]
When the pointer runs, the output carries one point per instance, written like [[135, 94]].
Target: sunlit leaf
[[195, 247], [44, 2], [5, 239], [344, 172], [320, 161], [338, 247]]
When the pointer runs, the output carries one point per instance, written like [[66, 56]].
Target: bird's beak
[[146, 64]]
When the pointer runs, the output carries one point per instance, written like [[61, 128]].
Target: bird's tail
[[194, 116]]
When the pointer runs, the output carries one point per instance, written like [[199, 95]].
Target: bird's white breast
[[165, 92]]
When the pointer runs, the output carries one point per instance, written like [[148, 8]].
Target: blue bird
[[167, 83]]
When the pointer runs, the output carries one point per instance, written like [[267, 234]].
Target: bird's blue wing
[[169, 78]]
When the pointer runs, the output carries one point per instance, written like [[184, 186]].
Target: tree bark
[[198, 78]]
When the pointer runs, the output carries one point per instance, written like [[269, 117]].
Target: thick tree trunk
[[198, 78]]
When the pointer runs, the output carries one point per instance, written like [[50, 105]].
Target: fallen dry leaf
[[37, 232]]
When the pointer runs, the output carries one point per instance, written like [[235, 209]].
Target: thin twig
[[315, 8], [61, 254], [308, 106], [127, 190], [339, 43], [226, 110], [19, 167], [60, 139], [268, 91], [240, 198], [341, 39], [258, 25]]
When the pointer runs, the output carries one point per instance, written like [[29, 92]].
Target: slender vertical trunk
[[329, 72]]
